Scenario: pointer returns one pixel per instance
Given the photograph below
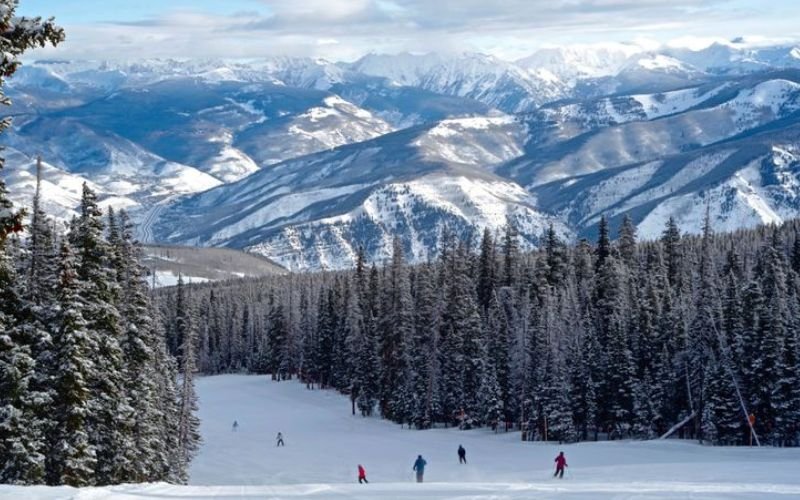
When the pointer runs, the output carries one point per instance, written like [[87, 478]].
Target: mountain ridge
[[304, 160]]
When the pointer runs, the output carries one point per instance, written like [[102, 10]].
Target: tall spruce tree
[[188, 428], [110, 422], [73, 459]]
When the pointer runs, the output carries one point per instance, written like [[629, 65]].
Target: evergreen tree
[[423, 355], [73, 457], [498, 341], [22, 443], [492, 407], [166, 464], [721, 418], [772, 387], [671, 241], [487, 270], [603, 250], [278, 339], [309, 365], [367, 369], [396, 330], [510, 255], [627, 241], [188, 428], [140, 371], [555, 257], [110, 422]]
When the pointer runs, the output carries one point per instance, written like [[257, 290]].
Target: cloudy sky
[[347, 29]]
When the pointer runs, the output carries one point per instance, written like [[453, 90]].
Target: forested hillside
[[604, 339]]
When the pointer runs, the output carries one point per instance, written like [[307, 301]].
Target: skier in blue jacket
[[419, 466]]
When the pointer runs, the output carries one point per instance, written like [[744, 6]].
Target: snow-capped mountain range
[[303, 160]]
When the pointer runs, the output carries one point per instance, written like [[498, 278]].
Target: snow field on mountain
[[779, 97], [658, 105], [325, 443]]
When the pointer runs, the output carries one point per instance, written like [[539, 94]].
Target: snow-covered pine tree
[[487, 270], [467, 322], [341, 353], [646, 402], [722, 421], [110, 416], [706, 326], [771, 387], [626, 241], [309, 358], [794, 258], [558, 406], [492, 408], [326, 331], [423, 347], [673, 253], [510, 255], [138, 338], [166, 463], [395, 330], [25, 355], [188, 428], [555, 258], [497, 331], [619, 381], [42, 273], [366, 365], [72, 460], [603, 249], [22, 437], [748, 336], [450, 360], [580, 358], [278, 341]]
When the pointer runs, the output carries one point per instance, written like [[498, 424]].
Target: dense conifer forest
[[607, 339]]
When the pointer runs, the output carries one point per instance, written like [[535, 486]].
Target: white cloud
[[346, 29]]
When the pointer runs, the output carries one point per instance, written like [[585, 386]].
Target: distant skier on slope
[[279, 439], [561, 464], [235, 426], [462, 455], [419, 466], [362, 475]]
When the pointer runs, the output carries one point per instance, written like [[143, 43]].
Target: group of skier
[[278, 438], [420, 463]]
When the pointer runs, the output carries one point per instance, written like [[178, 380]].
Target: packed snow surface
[[325, 443]]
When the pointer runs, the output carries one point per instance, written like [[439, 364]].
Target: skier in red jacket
[[561, 464], [362, 475]]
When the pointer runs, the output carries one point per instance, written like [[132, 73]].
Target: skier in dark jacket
[[279, 440], [561, 464], [462, 455], [419, 466]]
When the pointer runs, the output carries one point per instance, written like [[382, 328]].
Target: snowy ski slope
[[324, 444]]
